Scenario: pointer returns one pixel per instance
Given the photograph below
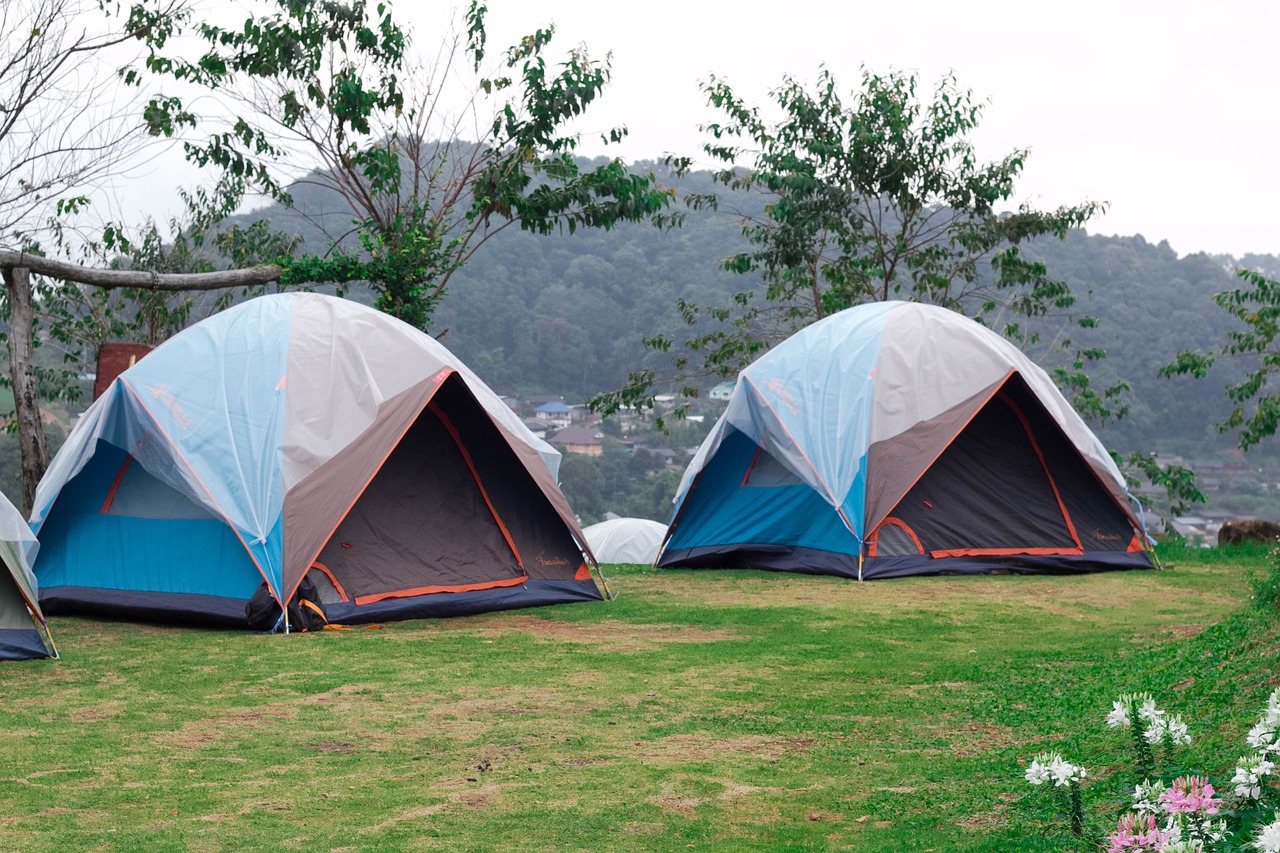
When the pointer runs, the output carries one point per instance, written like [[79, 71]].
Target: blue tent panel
[[87, 545], [743, 499]]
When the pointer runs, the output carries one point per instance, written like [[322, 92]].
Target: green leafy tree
[[583, 485], [337, 83], [879, 198], [1256, 305]]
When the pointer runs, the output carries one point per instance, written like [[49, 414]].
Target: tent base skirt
[[532, 593], [777, 558], [21, 644], [785, 558], [213, 611], [176, 608]]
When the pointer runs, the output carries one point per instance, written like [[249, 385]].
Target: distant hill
[[566, 314]]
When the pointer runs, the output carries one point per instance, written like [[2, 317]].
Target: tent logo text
[[164, 395]]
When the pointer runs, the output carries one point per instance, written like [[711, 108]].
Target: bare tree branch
[[113, 279]]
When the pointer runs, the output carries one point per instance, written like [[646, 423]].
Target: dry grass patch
[[515, 701], [104, 710], [198, 734], [740, 797], [971, 738], [694, 748], [914, 690], [606, 635], [1065, 597]]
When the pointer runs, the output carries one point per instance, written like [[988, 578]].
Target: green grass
[[701, 710]]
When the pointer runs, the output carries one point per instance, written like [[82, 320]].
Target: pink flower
[[1190, 794], [1137, 834]]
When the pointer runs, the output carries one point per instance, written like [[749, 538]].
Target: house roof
[[578, 435], [554, 407]]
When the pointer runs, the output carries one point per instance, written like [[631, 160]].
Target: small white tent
[[626, 540]]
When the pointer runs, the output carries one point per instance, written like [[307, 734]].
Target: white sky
[[1166, 110]]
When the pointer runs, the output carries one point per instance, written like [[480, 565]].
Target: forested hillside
[[566, 314]]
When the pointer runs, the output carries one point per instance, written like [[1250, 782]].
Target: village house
[[584, 440]]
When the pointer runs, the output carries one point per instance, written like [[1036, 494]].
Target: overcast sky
[[1166, 110]]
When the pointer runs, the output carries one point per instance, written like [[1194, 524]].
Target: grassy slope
[[702, 710]]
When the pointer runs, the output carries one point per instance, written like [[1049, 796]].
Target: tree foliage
[[337, 83], [1255, 305], [879, 198]]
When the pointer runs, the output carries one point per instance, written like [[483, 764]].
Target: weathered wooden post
[[35, 452]]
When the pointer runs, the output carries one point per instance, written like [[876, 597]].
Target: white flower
[[1037, 773], [1149, 711], [1269, 839], [1262, 737], [1273, 708], [1167, 729], [1146, 797], [1250, 771], [1119, 716], [1181, 847], [1064, 773], [1176, 731]]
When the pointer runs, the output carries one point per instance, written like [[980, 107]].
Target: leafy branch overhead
[[340, 83], [880, 197]]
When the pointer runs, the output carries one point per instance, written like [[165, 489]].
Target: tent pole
[[42, 628], [604, 582], [1151, 552], [48, 640]]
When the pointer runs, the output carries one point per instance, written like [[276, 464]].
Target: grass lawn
[[702, 710]]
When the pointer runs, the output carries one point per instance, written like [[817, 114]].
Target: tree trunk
[[35, 453], [16, 268]]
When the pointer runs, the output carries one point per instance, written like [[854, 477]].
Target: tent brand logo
[[1106, 537], [164, 395], [780, 389], [544, 562], [442, 375]]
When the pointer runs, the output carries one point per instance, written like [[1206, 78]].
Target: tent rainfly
[[303, 435], [626, 540], [23, 632], [898, 439]]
